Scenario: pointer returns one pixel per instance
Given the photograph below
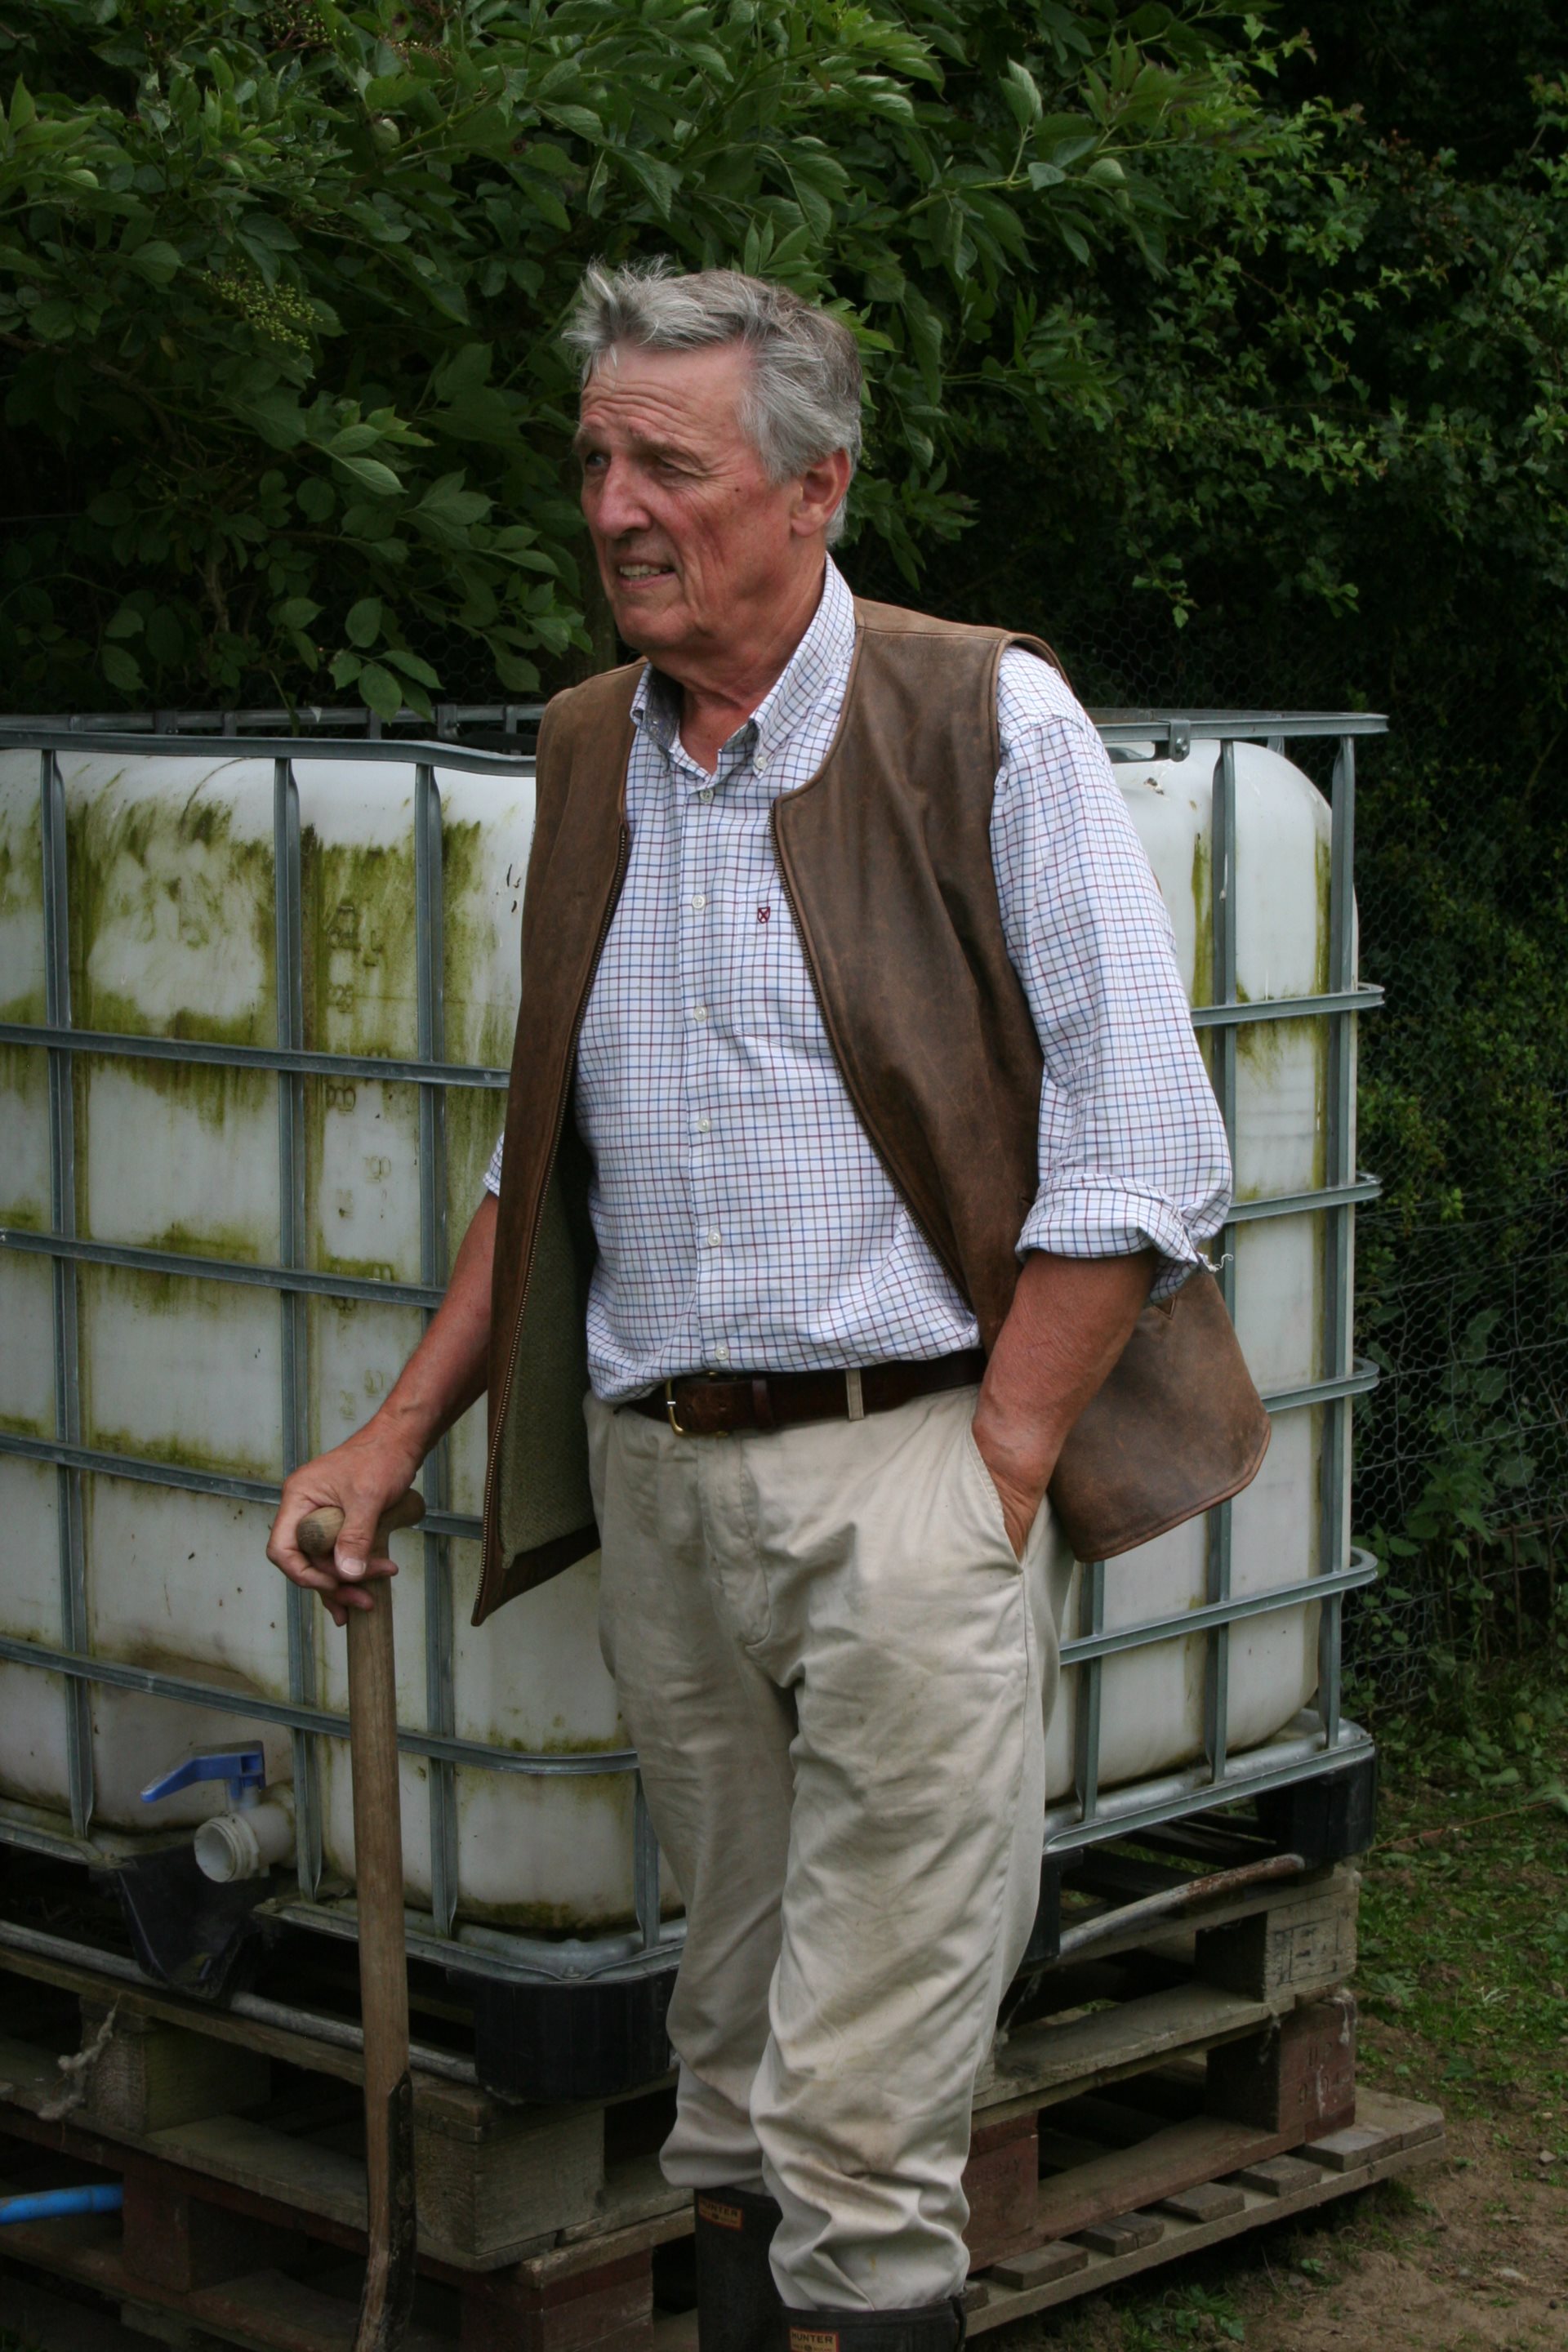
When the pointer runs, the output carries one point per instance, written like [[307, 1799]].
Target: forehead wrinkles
[[673, 409]]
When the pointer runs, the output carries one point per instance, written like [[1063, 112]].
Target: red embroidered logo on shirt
[[764, 914]]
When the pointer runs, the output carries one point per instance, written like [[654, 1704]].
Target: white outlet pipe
[[245, 1843]]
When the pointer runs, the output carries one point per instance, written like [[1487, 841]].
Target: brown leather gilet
[[886, 858]]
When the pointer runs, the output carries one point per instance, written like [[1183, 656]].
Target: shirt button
[[703, 1125], [714, 1236], [706, 793], [760, 762], [721, 1353], [699, 1012], [700, 900]]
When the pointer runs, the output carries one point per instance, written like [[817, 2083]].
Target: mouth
[[634, 574]]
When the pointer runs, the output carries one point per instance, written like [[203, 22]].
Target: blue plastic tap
[[245, 1769]]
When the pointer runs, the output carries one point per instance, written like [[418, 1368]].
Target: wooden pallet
[[541, 2227], [218, 2275]]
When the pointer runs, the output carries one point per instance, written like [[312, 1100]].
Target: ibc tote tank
[[1152, 1700], [153, 1385]]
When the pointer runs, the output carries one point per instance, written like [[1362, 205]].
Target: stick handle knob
[[319, 1530]]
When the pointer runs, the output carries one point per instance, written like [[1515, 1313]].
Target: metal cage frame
[[1321, 1740]]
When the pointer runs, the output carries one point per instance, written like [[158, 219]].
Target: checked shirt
[[743, 1219]]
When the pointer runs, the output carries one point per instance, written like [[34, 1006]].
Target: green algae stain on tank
[[172, 924], [480, 1025], [173, 935], [1324, 878], [159, 1358], [361, 997], [361, 966], [1202, 920], [478, 1031], [21, 995], [24, 1138], [602, 1804]]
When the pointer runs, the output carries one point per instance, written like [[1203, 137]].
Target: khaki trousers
[[837, 1676]]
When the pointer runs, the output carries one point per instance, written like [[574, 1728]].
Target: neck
[[718, 694]]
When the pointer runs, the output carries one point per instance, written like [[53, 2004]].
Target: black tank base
[[1327, 1818], [591, 2039]]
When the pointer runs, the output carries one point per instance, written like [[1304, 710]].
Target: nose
[[615, 502]]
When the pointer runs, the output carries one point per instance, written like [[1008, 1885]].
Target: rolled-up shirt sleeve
[[1132, 1151], [492, 1174]]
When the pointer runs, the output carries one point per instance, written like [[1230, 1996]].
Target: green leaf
[[925, 334], [654, 177], [1021, 93], [519, 677], [344, 668], [157, 261], [371, 475], [121, 670], [296, 613], [549, 206], [53, 320], [381, 690], [278, 417], [364, 623], [411, 666], [449, 511], [23, 110], [126, 622], [465, 370], [543, 155], [578, 118]]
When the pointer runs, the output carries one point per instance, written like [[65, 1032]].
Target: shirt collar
[[818, 665]]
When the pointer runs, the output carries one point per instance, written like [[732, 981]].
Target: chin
[[649, 632]]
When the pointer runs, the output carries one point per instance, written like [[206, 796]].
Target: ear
[[820, 492]]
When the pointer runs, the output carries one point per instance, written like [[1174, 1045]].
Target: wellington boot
[[932, 2328], [738, 2308]]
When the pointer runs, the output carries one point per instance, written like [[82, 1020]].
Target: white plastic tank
[[171, 934], [1151, 1699]]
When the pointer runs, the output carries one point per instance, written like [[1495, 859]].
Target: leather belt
[[710, 1404]]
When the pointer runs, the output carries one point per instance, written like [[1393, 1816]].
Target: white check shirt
[[742, 1218]]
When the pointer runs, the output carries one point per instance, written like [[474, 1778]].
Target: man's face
[[696, 546]]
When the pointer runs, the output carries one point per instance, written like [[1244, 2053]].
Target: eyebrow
[[583, 441]]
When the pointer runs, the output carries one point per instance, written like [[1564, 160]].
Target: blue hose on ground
[[49, 2204]]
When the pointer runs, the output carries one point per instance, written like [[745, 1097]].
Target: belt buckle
[[669, 1408], [678, 1427]]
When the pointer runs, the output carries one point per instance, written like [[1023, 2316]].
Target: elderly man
[[855, 1114]]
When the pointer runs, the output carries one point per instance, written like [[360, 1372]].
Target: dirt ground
[[1463, 1987], [1465, 2256]]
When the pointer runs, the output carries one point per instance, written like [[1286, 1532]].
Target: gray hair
[[804, 399]]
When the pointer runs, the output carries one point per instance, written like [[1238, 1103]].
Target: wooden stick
[[383, 1964]]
